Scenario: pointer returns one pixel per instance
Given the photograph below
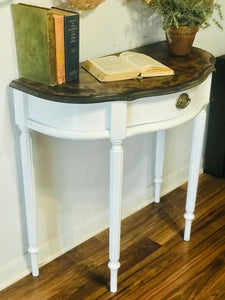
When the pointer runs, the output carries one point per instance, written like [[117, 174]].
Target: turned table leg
[[116, 173], [159, 159], [118, 114], [28, 178], [196, 151]]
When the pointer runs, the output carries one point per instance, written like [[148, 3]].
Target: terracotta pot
[[180, 39]]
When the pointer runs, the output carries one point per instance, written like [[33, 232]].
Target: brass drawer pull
[[183, 101]]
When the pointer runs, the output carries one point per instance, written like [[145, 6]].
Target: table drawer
[[164, 108]]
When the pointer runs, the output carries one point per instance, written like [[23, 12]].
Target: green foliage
[[187, 12]]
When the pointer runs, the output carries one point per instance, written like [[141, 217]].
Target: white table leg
[[159, 160], [118, 112], [27, 168], [116, 173], [196, 151], [28, 179]]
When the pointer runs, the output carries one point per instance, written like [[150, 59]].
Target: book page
[[143, 61], [113, 64], [110, 68]]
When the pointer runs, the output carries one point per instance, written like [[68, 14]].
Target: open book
[[127, 65]]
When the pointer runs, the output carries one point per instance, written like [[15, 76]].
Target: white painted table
[[91, 110]]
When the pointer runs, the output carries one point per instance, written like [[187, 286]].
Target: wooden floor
[[155, 261]]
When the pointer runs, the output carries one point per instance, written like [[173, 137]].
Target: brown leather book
[[60, 50]]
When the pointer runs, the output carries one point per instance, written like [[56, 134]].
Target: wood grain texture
[[189, 71], [155, 261]]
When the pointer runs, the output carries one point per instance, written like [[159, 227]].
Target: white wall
[[72, 177]]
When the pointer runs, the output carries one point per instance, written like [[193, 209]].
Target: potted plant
[[183, 18]]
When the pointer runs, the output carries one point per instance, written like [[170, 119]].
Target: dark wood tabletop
[[189, 71]]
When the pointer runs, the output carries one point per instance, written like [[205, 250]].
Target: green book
[[35, 43]]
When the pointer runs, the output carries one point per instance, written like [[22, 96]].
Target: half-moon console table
[[88, 109]]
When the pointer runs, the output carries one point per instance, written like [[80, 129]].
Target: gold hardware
[[183, 101]]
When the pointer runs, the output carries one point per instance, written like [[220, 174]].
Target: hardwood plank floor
[[155, 261]]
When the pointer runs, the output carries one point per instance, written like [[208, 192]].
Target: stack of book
[[47, 43]]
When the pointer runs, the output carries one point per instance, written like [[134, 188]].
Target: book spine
[[59, 46], [71, 35], [51, 50]]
